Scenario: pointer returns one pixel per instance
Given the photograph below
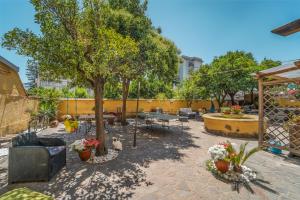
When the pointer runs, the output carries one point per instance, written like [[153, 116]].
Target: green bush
[[48, 101]]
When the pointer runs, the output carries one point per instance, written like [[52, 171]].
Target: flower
[[218, 152], [91, 143], [81, 145], [236, 109], [78, 145]]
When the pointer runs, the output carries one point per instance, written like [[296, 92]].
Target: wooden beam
[[260, 112], [288, 29], [261, 75], [280, 81]]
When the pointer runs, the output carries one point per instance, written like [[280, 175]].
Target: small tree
[[32, 74], [156, 55], [189, 91]]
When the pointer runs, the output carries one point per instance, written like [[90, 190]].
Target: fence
[[86, 106], [15, 113]]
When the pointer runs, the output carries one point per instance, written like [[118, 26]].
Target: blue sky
[[202, 28]]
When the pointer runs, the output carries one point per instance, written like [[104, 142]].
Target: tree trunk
[[100, 135], [232, 98], [189, 103], [125, 88], [218, 99], [252, 96]]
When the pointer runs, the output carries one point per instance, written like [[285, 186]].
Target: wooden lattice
[[279, 132]]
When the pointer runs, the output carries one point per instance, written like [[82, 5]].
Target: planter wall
[[231, 127]]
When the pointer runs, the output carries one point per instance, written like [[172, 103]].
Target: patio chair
[[182, 120], [187, 112], [32, 158]]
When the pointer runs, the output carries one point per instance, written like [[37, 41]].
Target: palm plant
[[238, 159]]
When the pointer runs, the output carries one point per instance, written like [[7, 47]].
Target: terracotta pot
[[222, 165], [85, 155]]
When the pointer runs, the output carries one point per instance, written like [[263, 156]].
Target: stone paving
[[167, 164]]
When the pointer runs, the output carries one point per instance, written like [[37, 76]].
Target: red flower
[[225, 144], [92, 143], [236, 107]]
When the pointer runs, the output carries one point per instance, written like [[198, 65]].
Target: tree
[[205, 79], [188, 90], [268, 63], [81, 93], [76, 40], [151, 86], [113, 88], [155, 52], [32, 74], [226, 75], [48, 101], [232, 70], [251, 82]]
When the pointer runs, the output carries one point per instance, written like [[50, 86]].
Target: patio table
[[160, 117]]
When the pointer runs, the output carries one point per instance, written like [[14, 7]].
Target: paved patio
[[168, 164]]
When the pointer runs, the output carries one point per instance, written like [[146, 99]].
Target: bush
[[48, 101]]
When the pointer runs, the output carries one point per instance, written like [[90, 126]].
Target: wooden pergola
[[273, 86]]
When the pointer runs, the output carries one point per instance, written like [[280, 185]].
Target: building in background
[[53, 84], [188, 65]]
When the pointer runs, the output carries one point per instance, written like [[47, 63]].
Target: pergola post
[[260, 111]]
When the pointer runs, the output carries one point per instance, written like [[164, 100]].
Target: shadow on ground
[[116, 179]]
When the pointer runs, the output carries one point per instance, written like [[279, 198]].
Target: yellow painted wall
[[232, 127], [10, 83], [85, 106], [288, 103], [14, 104], [15, 113]]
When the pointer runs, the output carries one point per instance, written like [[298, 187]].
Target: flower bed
[[86, 151], [228, 163], [246, 175]]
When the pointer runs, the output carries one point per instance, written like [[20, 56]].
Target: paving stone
[[168, 164]]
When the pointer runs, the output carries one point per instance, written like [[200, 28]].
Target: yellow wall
[[14, 104], [232, 127], [288, 103], [85, 106], [10, 83], [15, 113]]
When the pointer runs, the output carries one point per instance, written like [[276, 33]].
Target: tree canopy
[[226, 75], [92, 42]]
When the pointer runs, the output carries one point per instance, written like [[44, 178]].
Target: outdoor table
[[160, 117]]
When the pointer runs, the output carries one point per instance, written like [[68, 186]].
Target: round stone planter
[[247, 126]]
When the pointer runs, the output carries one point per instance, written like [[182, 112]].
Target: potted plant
[[236, 109], [71, 125], [238, 158], [226, 110], [219, 156], [227, 163], [225, 155], [84, 148]]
